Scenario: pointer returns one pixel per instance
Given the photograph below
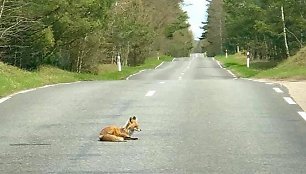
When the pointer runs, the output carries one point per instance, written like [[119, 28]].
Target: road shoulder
[[297, 90]]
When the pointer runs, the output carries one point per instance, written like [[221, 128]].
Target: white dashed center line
[[150, 93], [289, 100], [278, 90]]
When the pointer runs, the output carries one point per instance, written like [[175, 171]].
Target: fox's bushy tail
[[111, 138]]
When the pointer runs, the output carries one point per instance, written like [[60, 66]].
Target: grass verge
[[237, 64], [13, 79], [294, 68], [126, 71]]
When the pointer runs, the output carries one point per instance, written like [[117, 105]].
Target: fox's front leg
[[127, 137], [124, 135], [130, 138]]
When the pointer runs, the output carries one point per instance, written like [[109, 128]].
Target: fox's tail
[[111, 138]]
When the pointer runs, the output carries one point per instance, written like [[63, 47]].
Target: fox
[[120, 134]]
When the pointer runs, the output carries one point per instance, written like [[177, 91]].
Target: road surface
[[194, 115]]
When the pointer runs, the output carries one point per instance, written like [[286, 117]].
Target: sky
[[196, 10]]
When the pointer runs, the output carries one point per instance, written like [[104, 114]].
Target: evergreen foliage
[[256, 26], [79, 35]]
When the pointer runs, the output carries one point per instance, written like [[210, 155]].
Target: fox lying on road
[[117, 134]]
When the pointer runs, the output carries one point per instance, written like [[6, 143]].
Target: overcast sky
[[196, 10]]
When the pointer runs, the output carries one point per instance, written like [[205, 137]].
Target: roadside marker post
[[248, 59], [119, 62]]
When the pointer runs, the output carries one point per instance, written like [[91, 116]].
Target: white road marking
[[182, 73], [173, 59], [47, 86], [289, 100], [231, 73], [159, 65], [219, 64], [150, 93], [303, 115], [162, 82], [180, 78], [135, 74], [4, 99], [25, 91], [269, 83], [278, 90], [33, 89]]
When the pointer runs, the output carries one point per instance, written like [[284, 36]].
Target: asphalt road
[[195, 118]]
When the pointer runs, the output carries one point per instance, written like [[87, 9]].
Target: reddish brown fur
[[117, 134]]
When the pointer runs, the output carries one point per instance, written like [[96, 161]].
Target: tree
[[80, 35], [258, 26], [214, 33]]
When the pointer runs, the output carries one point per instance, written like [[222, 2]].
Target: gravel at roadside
[[297, 90]]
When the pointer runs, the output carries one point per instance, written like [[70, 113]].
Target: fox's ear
[[132, 118]]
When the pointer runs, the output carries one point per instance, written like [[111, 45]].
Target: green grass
[[126, 71], [237, 64], [284, 71], [294, 68], [13, 79]]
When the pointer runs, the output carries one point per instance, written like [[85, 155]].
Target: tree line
[[269, 29], [78, 35]]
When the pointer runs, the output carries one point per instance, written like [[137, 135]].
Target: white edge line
[[219, 64], [4, 99], [159, 65], [289, 100], [33, 89], [303, 115], [173, 59], [25, 91], [229, 71], [128, 78], [278, 90]]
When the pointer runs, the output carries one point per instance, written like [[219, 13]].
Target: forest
[[269, 29], [78, 35]]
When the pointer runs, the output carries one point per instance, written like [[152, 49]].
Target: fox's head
[[132, 125]]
